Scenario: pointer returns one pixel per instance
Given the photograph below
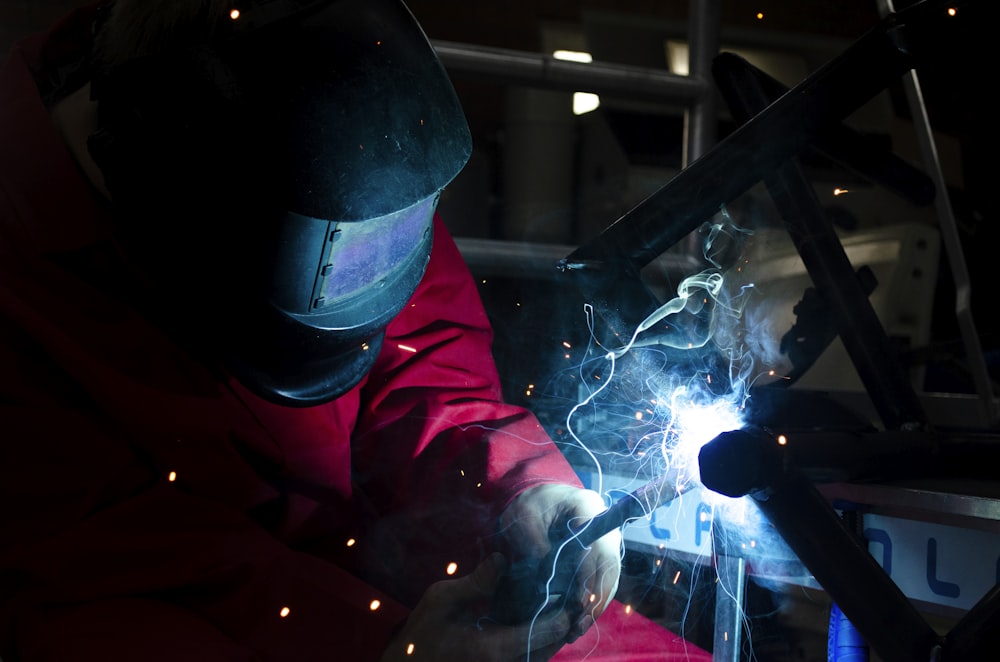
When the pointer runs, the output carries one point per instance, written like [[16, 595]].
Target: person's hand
[[451, 622], [539, 519]]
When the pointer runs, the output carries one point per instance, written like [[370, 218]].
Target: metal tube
[[953, 246], [701, 118], [535, 69], [974, 637], [812, 529], [827, 263], [729, 611], [755, 149]]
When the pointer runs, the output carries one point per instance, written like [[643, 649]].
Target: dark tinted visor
[[321, 266]]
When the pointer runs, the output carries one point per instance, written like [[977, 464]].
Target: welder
[[248, 409]]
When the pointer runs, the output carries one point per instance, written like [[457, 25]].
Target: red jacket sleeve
[[436, 449]]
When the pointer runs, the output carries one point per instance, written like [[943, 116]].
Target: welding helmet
[[274, 184]]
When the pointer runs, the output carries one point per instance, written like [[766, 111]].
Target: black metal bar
[[753, 151], [876, 361], [816, 534], [842, 144], [974, 636]]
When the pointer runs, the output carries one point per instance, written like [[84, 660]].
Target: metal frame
[[789, 122]]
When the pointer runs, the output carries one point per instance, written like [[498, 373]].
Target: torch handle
[[530, 584], [636, 504]]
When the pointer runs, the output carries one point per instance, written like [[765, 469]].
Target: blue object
[[844, 643]]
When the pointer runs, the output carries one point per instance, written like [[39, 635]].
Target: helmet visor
[[324, 268]]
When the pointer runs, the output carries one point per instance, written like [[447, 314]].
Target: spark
[[452, 568], [409, 649], [234, 14], [952, 11], [677, 577], [351, 542], [375, 604], [285, 611], [628, 609], [566, 345], [172, 476], [782, 440], [407, 348], [840, 191], [760, 16]]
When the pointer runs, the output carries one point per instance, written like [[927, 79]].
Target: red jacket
[[145, 496]]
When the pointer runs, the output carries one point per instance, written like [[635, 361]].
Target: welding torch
[[533, 586]]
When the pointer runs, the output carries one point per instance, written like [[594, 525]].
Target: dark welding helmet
[[274, 184]]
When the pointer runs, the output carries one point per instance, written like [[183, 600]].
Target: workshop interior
[[779, 216]]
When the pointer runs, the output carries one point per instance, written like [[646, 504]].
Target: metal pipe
[[729, 600], [827, 263], [754, 150], [524, 259], [816, 534], [536, 69], [989, 412], [974, 636], [701, 118]]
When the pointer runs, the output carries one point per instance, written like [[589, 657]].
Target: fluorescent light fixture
[[573, 56], [583, 102]]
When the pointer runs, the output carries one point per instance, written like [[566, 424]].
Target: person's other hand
[[451, 622], [544, 515]]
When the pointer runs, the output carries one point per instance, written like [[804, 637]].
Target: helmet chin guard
[[274, 184]]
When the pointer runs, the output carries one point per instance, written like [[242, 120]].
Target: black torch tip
[[739, 462]]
